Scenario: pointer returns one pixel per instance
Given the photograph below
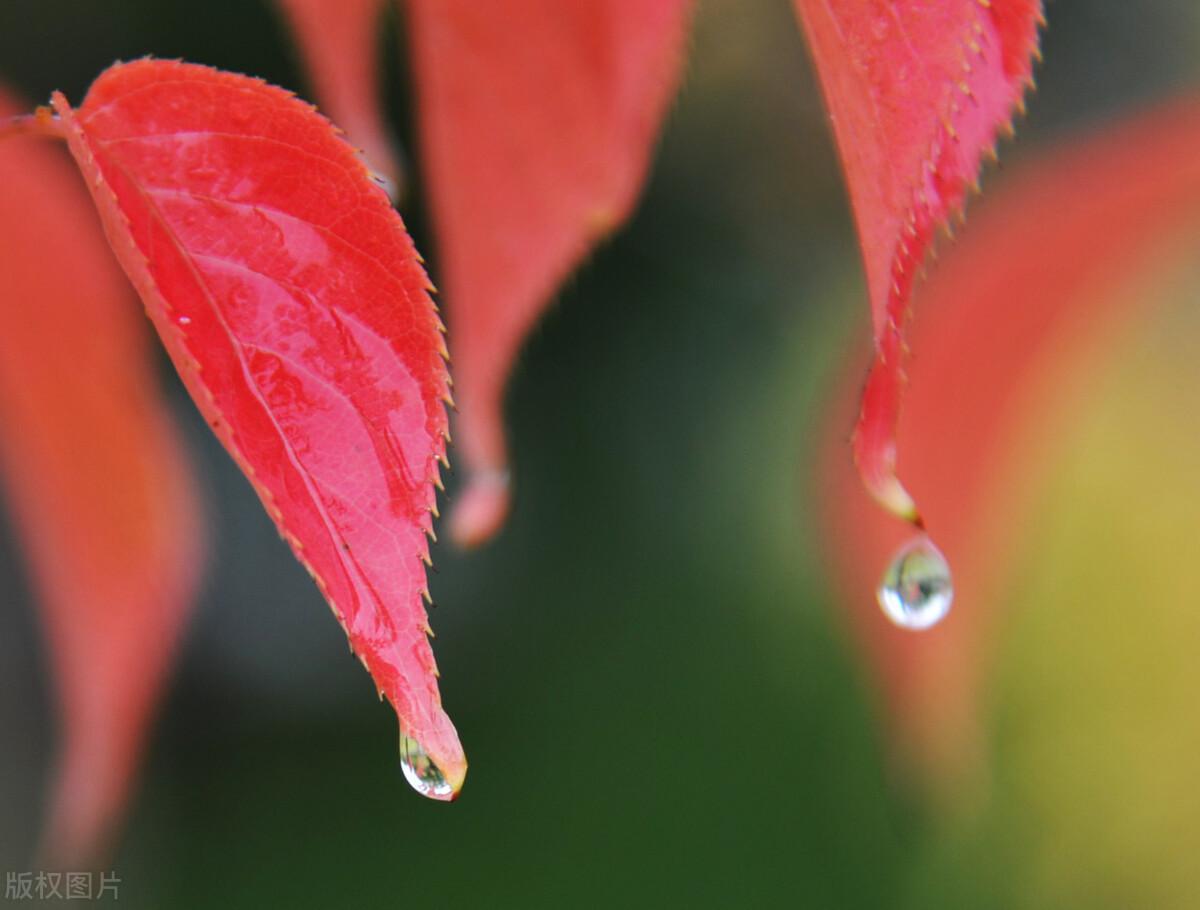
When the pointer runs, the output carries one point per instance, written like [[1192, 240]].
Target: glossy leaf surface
[[293, 304], [97, 481], [1049, 252], [537, 121], [916, 92], [338, 40]]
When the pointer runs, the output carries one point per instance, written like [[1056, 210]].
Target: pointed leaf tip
[[918, 92], [294, 307], [537, 123], [481, 508]]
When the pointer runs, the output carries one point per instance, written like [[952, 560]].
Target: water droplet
[[421, 773], [916, 590]]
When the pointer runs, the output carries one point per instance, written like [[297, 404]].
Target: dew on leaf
[[420, 771], [916, 589]]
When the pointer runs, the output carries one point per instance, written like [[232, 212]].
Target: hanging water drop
[[420, 771], [916, 590]]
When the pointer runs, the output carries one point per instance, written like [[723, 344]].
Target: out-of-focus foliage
[[646, 667], [1016, 324]]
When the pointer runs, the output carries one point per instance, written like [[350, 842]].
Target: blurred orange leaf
[[95, 474], [538, 118]]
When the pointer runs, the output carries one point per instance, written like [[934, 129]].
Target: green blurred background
[[647, 670]]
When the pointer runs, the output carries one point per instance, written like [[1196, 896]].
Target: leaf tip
[[481, 509], [890, 493]]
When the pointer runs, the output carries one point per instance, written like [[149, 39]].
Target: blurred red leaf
[[338, 39], [94, 471], [538, 118], [988, 395], [293, 304], [916, 92]]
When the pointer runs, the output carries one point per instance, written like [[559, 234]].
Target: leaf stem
[[43, 122]]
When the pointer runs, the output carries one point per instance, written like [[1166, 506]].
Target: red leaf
[[537, 119], [990, 393], [338, 39], [916, 92], [293, 304], [95, 474]]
